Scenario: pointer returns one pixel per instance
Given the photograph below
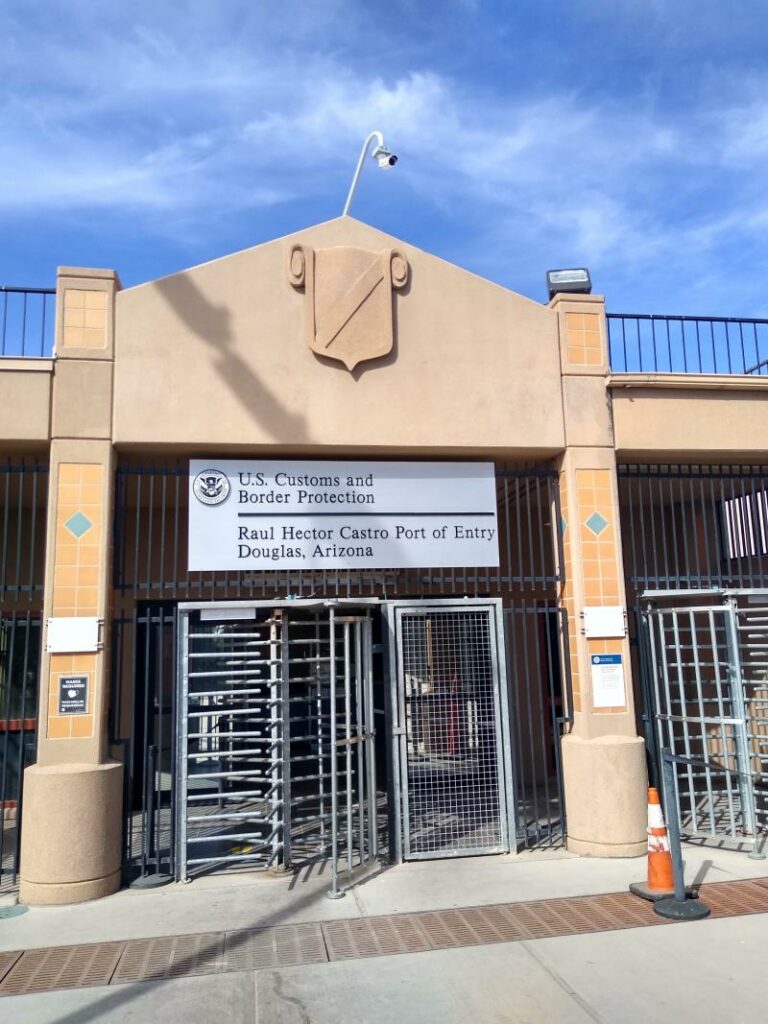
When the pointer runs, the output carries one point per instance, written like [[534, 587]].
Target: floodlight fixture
[[576, 281], [384, 157]]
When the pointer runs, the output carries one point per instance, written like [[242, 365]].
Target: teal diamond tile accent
[[78, 524], [596, 523], [563, 525]]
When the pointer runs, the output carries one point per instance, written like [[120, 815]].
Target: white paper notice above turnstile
[[256, 515]]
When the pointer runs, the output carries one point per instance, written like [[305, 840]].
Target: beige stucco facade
[[214, 361]]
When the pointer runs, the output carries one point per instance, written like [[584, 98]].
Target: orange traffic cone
[[661, 881]]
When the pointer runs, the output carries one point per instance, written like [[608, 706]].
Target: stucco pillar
[[71, 828], [603, 758]]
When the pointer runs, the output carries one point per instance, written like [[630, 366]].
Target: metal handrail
[[655, 343]]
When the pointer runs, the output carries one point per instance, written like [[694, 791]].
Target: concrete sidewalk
[[706, 971], [239, 901], [710, 971]]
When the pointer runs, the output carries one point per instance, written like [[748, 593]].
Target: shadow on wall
[[212, 324]]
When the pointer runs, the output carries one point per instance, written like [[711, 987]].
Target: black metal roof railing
[[26, 321], [650, 343]]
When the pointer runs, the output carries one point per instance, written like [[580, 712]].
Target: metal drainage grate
[[7, 960], [287, 946], [375, 936], [45, 970], [180, 956]]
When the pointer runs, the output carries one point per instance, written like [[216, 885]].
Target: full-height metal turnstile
[[708, 696], [451, 738], [276, 760]]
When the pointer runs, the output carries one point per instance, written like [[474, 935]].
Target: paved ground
[[707, 971]]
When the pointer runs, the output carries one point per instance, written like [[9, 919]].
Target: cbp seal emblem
[[211, 487]]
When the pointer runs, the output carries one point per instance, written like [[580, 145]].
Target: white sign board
[[341, 515], [604, 622], [77, 635], [607, 681]]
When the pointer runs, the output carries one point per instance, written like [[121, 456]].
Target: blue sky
[[630, 136]]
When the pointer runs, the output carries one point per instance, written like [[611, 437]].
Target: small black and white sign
[[73, 695]]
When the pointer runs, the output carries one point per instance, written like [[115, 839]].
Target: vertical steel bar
[[334, 892], [136, 536], [279, 817], [683, 712], [370, 746], [145, 739], [183, 745], [4, 585], [20, 478], [703, 738], [673, 824], [736, 683], [319, 734], [33, 531], [360, 737], [285, 735], [7, 635], [348, 740], [722, 713]]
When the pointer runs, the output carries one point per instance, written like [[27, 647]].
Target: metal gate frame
[[730, 741], [392, 612], [358, 732]]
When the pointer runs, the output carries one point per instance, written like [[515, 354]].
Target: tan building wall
[[25, 401], [474, 367], [689, 417], [215, 360]]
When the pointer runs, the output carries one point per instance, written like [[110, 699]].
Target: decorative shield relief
[[348, 299]]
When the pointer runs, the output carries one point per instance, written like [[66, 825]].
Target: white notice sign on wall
[[607, 681], [341, 515]]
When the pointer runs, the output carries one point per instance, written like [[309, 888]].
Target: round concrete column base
[[605, 795], [71, 832]]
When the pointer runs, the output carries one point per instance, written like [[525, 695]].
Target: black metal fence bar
[[23, 501], [19, 660], [540, 703], [649, 343], [27, 321], [694, 526], [142, 730]]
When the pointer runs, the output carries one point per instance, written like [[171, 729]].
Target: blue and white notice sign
[[608, 681]]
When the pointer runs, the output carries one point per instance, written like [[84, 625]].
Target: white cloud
[[196, 109]]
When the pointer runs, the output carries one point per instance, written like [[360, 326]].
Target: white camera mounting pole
[[381, 153]]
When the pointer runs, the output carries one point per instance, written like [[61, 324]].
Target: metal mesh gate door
[[452, 730]]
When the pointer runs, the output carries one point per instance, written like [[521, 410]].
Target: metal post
[[348, 740], [743, 758], [334, 893], [677, 908], [278, 638], [370, 728], [356, 177], [285, 750], [361, 741]]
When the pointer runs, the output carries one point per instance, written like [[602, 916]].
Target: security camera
[[384, 157]]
